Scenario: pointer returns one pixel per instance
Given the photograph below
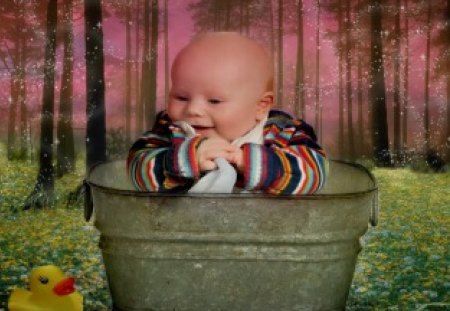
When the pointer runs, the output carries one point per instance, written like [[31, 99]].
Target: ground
[[404, 264]]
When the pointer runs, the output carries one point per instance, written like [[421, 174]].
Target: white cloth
[[222, 179]]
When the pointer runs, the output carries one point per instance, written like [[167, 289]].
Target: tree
[[359, 92], [318, 105], [144, 107], [253, 18], [7, 57], [340, 73], [397, 103], [12, 116], [95, 84], [64, 129], [122, 9], [151, 113], [299, 99], [405, 79], [348, 80], [42, 194], [218, 14], [21, 30], [427, 81], [138, 103], [447, 66], [166, 53], [128, 72], [15, 26], [441, 41], [377, 93], [271, 33], [22, 88], [280, 35]]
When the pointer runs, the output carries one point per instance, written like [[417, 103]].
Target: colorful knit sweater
[[288, 162]]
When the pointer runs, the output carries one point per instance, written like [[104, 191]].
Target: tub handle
[[88, 203], [373, 219]]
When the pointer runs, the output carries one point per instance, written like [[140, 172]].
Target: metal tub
[[234, 251]]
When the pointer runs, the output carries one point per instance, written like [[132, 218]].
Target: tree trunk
[[42, 195], [145, 94], [95, 84], [361, 138], [299, 101], [64, 129], [447, 15], [272, 43], [317, 101], [23, 115], [12, 115], [341, 140], [348, 82], [280, 56], [166, 54], [23, 93], [227, 15], [272, 31], [397, 103], [14, 85], [247, 18], [216, 13], [241, 16], [139, 107], [427, 82], [378, 90], [153, 62], [406, 82], [128, 73]]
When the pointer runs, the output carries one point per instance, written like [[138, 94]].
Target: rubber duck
[[49, 290]]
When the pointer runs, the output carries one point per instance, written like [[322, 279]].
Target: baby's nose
[[195, 107]]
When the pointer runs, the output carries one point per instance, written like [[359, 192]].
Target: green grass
[[403, 265], [405, 261]]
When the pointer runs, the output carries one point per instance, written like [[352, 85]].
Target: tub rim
[[317, 196]]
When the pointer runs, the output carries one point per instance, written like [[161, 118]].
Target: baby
[[220, 107]]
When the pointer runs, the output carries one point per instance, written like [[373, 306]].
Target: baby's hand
[[237, 159], [212, 148]]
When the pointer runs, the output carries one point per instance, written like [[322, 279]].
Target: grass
[[406, 258], [404, 264]]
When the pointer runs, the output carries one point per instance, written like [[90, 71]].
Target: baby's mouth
[[201, 127]]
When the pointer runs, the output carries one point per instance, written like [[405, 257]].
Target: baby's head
[[222, 85]]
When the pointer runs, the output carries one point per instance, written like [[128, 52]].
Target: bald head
[[232, 54], [221, 85]]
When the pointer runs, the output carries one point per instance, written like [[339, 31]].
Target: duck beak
[[65, 287]]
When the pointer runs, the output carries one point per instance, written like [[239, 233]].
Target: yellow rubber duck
[[49, 290]]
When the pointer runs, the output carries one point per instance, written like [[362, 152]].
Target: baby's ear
[[264, 105]]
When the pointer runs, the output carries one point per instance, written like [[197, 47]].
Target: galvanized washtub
[[234, 251]]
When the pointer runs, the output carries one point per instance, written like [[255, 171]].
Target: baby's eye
[[182, 98], [214, 101]]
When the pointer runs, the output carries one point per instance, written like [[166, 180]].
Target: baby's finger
[[230, 157], [207, 165], [213, 154]]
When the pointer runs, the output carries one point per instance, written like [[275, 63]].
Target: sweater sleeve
[[290, 162], [163, 159]]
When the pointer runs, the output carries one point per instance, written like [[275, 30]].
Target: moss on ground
[[404, 264]]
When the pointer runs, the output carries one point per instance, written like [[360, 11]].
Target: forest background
[[80, 80], [372, 77]]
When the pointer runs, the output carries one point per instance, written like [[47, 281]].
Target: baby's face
[[218, 94]]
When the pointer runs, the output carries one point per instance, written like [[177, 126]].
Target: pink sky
[[180, 32]]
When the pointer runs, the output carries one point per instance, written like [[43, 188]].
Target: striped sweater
[[288, 162]]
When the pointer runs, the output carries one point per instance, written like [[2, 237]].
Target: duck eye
[[43, 279]]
